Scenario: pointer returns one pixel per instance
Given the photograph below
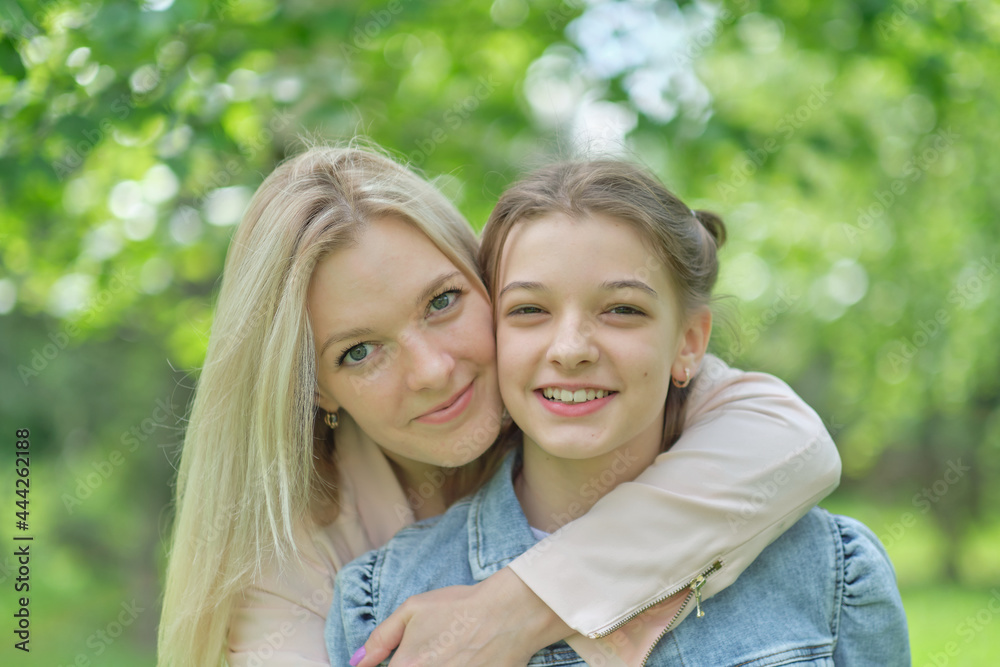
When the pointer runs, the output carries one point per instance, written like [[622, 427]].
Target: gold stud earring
[[331, 420]]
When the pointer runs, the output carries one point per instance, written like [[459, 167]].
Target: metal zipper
[[711, 570], [696, 585]]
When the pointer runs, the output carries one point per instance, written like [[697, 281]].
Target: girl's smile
[[574, 402]]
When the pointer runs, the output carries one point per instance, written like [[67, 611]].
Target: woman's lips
[[573, 409], [449, 410]]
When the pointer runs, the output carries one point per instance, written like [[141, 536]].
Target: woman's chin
[[472, 441]]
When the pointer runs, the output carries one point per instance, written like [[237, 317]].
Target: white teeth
[[578, 396]]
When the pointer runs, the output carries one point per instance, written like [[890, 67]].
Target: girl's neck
[[554, 491]]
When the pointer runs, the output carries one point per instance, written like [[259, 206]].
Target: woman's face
[[587, 332], [405, 346]]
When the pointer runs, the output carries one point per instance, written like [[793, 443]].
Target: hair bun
[[713, 224]]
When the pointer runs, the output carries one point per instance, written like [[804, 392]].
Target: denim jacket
[[823, 593]]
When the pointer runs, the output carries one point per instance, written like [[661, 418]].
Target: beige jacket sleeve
[[753, 459]]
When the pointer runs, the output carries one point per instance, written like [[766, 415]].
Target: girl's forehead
[[587, 245], [559, 234]]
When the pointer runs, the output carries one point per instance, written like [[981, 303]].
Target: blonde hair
[[256, 465], [685, 241]]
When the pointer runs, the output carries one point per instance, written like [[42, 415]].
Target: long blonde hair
[[256, 464]]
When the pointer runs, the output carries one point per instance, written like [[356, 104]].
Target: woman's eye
[[444, 300], [356, 354]]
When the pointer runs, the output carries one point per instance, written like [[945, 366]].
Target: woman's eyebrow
[[523, 284], [432, 288], [361, 332], [357, 332], [629, 284]]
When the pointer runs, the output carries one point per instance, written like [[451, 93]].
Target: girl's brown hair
[[684, 241]]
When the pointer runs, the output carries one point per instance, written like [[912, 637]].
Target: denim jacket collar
[[498, 529]]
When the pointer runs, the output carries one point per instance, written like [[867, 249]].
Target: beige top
[[753, 459]]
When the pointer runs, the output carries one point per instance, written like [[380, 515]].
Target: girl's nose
[[572, 344]]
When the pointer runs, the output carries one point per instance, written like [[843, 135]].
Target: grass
[[950, 625]]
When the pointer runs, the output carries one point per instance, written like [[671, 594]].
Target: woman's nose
[[430, 362]]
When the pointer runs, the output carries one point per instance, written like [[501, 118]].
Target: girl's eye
[[525, 310], [356, 354], [444, 300], [625, 310]]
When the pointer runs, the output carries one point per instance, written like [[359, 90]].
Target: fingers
[[384, 639]]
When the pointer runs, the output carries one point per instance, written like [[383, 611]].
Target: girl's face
[[588, 330], [405, 346]]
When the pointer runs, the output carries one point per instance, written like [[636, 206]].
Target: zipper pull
[[696, 587]]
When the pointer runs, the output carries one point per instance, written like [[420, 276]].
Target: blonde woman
[[350, 388]]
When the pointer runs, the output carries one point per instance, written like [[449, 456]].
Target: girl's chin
[[571, 450]]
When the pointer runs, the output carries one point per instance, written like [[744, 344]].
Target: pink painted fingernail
[[358, 656]]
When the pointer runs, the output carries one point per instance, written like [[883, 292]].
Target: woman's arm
[[279, 620], [753, 459]]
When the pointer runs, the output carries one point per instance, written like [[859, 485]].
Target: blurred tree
[[848, 146]]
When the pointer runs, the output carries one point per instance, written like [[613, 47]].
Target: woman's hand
[[498, 622]]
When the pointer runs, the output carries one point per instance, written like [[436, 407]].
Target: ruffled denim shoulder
[[870, 613], [824, 593], [352, 613], [423, 556]]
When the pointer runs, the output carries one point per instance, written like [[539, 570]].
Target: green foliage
[[849, 147]]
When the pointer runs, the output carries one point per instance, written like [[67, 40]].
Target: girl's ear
[[694, 343]]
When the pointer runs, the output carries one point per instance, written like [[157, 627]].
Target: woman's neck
[[423, 484], [554, 491]]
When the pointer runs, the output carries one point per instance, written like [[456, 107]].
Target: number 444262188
[[23, 479]]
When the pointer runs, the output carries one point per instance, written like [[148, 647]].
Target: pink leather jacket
[[753, 459]]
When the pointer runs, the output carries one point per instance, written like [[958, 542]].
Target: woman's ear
[[324, 401], [694, 343]]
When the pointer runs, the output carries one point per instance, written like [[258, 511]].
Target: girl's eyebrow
[[524, 284], [609, 285], [629, 284]]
